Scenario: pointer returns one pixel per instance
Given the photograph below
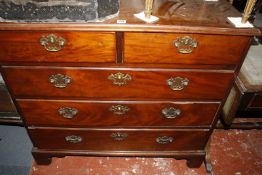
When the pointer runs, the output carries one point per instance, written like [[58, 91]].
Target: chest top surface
[[187, 16]]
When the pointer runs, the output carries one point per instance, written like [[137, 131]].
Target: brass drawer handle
[[119, 136], [119, 109], [73, 139], [52, 43], [119, 79], [59, 80], [185, 45], [67, 112], [177, 83], [164, 140], [171, 112]]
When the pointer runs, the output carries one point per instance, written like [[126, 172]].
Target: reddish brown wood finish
[[211, 49], [149, 58], [97, 113], [93, 82], [79, 47], [137, 140]]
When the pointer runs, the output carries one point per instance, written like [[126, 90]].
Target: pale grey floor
[[15, 151]]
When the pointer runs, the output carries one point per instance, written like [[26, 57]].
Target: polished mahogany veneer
[[95, 82], [109, 114], [210, 49], [132, 89], [119, 140], [23, 46]]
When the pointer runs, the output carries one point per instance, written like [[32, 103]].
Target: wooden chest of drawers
[[132, 89]]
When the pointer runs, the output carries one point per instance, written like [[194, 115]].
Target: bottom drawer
[[119, 139]]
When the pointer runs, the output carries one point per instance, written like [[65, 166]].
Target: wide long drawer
[[117, 113], [184, 48], [117, 83], [57, 46], [119, 139]]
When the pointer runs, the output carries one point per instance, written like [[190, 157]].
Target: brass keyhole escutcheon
[[177, 83], [67, 112], [185, 45], [60, 80], [164, 140], [119, 109], [119, 79], [73, 139], [171, 112]]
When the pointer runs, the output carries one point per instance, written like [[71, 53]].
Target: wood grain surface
[[32, 82], [98, 113], [137, 140], [91, 47]]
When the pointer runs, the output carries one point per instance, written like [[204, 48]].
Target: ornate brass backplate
[[171, 112], [119, 109], [52, 43], [177, 83], [120, 79], [164, 139], [119, 136], [67, 112], [73, 139], [185, 45], [59, 80]]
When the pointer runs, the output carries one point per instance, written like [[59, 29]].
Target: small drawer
[[57, 47], [117, 113], [184, 48], [117, 83], [119, 139]]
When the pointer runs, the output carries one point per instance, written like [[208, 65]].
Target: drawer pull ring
[[67, 112], [119, 136], [177, 83], [119, 109], [73, 139], [52, 43], [171, 112], [185, 45], [164, 140], [59, 80], [119, 79]]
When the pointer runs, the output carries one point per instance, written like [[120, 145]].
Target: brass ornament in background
[[171, 112], [59, 80], [148, 8], [119, 79], [248, 9], [52, 43], [119, 136], [73, 139], [67, 112], [164, 140], [185, 45], [119, 109], [177, 83]]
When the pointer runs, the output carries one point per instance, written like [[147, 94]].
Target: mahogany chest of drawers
[[131, 89]]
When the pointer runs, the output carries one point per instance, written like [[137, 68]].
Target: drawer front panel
[[75, 82], [57, 47], [119, 140], [116, 113], [160, 48]]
